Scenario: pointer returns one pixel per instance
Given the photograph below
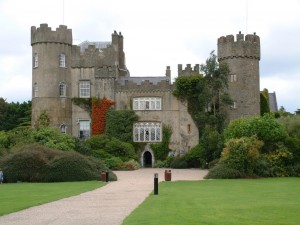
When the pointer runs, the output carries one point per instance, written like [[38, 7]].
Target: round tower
[[51, 75], [242, 57]]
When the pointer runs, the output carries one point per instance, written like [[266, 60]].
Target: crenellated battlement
[[44, 34], [188, 70], [242, 47], [144, 86]]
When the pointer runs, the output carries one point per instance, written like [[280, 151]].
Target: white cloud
[[158, 34]]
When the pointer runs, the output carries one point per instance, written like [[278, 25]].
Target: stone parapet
[[44, 34]]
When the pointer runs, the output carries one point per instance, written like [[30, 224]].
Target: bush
[[266, 128], [179, 163], [222, 171], [53, 138], [195, 156], [241, 154], [114, 163], [82, 147], [131, 165], [112, 146], [36, 163]]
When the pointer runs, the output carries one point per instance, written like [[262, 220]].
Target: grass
[[18, 196], [272, 201]]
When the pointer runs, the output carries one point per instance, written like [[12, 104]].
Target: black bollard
[[107, 179], [156, 184]]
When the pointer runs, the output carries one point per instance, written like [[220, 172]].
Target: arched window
[[63, 128], [62, 60], [147, 132], [35, 90], [62, 89], [35, 60]]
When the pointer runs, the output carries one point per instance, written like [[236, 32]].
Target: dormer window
[[62, 60]]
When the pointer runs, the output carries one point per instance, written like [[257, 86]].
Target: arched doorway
[[147, 159]]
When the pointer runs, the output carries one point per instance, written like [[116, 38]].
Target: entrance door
[[147, 158]]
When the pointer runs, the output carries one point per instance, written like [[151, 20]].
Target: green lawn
[[271, 201], [18, 196]]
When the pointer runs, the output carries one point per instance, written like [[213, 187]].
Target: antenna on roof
[[246, 16], [63, 12]]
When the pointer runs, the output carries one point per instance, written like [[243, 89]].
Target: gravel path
[[108, 205]]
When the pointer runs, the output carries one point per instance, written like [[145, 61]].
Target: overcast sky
[[157, 33]]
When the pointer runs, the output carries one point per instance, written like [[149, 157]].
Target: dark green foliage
[[162, 149], [195, 158], [222, 171], [84, 103], [53, 138], [264, 102], [112, 146], [213, 143], [293, 145], [209, 149], [37, 163], [266, 128], [179, 163], [119, 124], [114, 163], [241, 154], [13, 115], [206, 95], [120, 149], [82, 147]]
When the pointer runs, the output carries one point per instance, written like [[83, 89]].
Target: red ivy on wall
[[99, 110]]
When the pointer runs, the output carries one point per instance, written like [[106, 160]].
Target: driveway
[[108, 205]]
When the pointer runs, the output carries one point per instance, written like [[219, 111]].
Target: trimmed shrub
[[179, 163], [114, 163], [131, 165], [37, 163], [222, 171]]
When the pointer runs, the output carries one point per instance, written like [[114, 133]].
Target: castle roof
[[98, 44]]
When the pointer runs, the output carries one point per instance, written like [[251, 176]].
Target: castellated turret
[[51, 70], [242, 56]]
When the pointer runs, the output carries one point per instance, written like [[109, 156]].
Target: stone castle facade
[[62, 71]]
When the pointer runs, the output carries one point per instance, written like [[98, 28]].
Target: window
[[63, 128], [233, 106], [146, 103], [84, 129], [62, 89], [233, 78], [62, 60], [147, 132], [35, 90], [84, 89], [35, 60], [189, 128]]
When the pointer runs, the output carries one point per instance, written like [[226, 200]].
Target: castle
[[62, 71]]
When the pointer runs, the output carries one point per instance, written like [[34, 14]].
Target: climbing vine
[[99, 110], [162, 149], [85, 103]]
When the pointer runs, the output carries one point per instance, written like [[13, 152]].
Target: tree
[[205, 95], [119, 124], [14, 115]]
